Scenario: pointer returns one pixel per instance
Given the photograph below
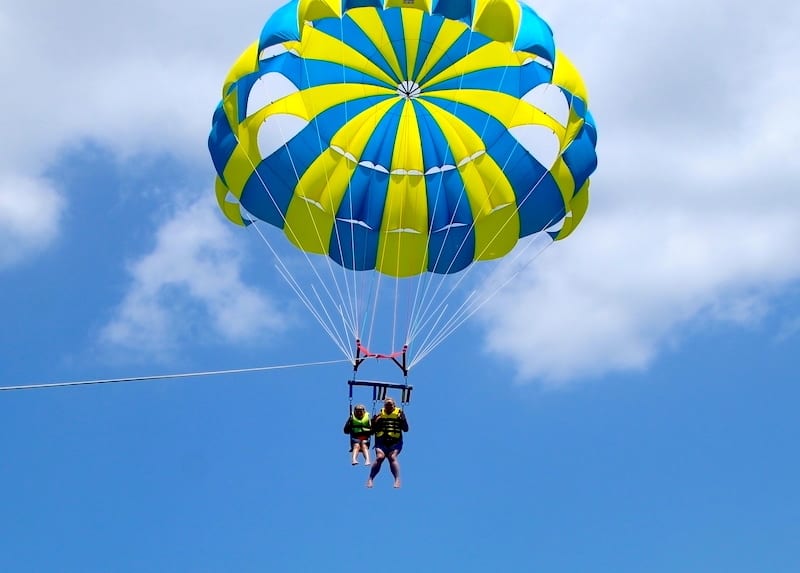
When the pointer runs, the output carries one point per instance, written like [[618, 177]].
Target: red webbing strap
[[365, 352]]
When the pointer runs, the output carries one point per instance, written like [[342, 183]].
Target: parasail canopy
[[406, 137]]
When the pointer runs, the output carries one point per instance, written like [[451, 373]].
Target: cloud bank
[[694, 213], [135, 77], [189, 281]]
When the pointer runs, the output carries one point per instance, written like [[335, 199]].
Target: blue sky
[[627, 404]]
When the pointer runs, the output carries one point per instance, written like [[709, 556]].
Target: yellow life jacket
[[389, 424]]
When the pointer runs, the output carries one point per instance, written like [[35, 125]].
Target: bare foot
[[367, 463], [369, 482], [396, 483], [355, 463]]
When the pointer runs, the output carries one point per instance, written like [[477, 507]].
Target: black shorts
[[386, 446]]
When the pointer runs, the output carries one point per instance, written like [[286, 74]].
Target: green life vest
[[359, 426], [389, 424]]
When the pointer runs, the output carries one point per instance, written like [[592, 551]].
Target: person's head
[[359, 410], [388, 405]]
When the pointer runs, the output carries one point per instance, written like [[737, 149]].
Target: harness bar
[[379, 389]]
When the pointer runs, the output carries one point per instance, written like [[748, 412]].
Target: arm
[[347, 425], [403, 422]]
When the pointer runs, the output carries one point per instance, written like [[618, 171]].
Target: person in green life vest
[[388, 427], [359, 426]]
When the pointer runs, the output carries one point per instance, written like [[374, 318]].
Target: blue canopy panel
[[466, 43], [393, 23], [319, 73], [502, 80], [540, 207], [354, 242], [221, 141], [535, 35], [282, 26], [590, 127], [452, 238], [348, 4], [349, 33], [269, 189], [455, 9], [533, 74], [581, 157], [430, 31]]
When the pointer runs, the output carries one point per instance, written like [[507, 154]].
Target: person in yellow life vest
[[359, 426], [388, 426]]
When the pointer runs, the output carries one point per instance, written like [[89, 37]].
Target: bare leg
[[365, 451], [376, 467], [354, 451], [394, 466]]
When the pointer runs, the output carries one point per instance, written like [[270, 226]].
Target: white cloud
[[135, 77], [194, 262], [138, 78], [30, 212], [695, 211], [608, 299]]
